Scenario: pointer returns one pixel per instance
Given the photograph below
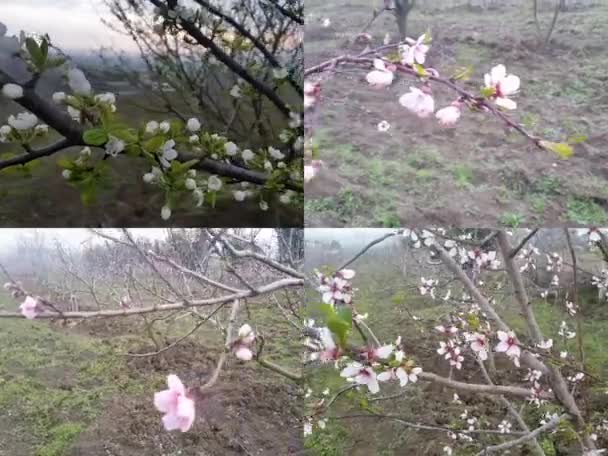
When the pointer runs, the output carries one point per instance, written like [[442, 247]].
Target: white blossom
[[193, 125], [12, 91], [78, 82], [23, 121]]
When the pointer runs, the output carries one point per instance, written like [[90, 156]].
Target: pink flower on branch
[[382, 76], [503, 85], [405, 375], [418, 102], [31, 308], [177, 406], [337, 288], [479, 344], [329, 350], [362, 376], [415, 51], [378, 353], [242, 346], [448, 116], [508, 344]]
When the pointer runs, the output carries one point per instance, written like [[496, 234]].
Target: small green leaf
[[88, 195], [35, 53], [128, 135], [189, 164], [52, 63], [133, 150], [339, 328], [95, 137], [346, 314], [428, 37], [564, 150], [153, 144], [420, 70], [44, 48], [576, 139], [65, 163], [488, 92]]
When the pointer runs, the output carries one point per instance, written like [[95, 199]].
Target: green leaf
[[35, 52], [346, 314], [564, 150], [576, 139], [428, 37], [339, 328], [88, 193], [324, 309], [133, 150], [95, 136], [128, 135], [44, 48], [153, 144], [176, 127], [189, 164], [420, 70], [52, 63], [65, 163], [487, 92]]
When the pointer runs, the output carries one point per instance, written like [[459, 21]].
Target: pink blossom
[[382, 352], [381, 76], [337, 287], [415, 51], [242, 346], [30, 308], [177, 406], [362, 376], [329, 351], [312, 92], [503, 85], [404, 376], [449, 331], [448, 116], [508, 344], [479, 345], [418, 102], [310, 171], [451, 352]]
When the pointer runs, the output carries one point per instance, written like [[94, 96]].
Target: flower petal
[[165, 401], [175, 384]]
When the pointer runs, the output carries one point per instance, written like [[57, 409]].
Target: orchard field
[[418, 418], [86, 386], [478, 173]]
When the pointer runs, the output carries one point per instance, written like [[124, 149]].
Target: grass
[[54, 383], [511, 220], [463, 175], [586, 212]]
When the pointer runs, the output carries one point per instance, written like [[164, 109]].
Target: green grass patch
[[586, 212]]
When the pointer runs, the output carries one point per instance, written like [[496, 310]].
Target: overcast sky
[[77, 236], [71, 236], [71, 24]]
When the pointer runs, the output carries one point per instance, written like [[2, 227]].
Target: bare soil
[[477, 174]]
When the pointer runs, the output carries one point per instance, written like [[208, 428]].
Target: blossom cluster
[[161, 143]]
